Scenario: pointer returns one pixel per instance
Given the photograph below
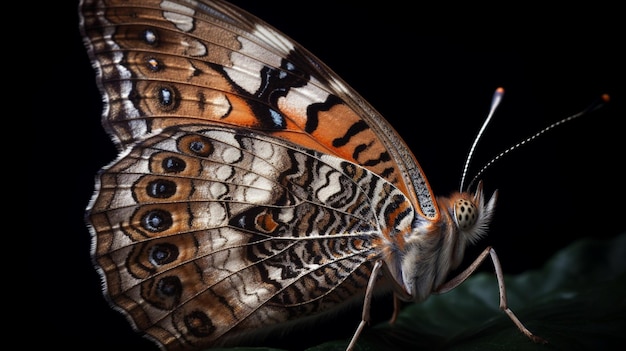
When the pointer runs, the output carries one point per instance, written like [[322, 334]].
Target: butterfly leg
[[365, 316], [456, 281], [396, 309]]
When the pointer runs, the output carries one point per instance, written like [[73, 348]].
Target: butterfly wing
[[163, 63], [204, 234]]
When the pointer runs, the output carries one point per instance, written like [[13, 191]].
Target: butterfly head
[[465, 219], [470, 214]]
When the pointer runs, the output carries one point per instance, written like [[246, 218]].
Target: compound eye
[[465, 213]]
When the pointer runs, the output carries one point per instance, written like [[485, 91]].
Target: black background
[[430, 71]]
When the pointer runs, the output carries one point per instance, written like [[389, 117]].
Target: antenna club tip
[[605, 98], [500, 90]]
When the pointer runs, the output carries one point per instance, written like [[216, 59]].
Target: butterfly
[[253, 187]]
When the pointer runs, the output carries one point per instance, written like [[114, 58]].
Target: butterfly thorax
[[433, 248]]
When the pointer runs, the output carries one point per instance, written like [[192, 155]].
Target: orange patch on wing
[[240, 114], [266, 222]]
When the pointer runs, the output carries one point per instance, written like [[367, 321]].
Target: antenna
[[495, 101], [597, 104]]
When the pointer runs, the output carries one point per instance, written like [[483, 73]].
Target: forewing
[[174, 62]]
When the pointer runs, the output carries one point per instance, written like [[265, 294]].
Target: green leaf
[[577, 301]]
